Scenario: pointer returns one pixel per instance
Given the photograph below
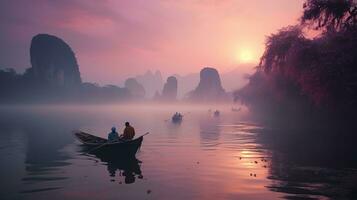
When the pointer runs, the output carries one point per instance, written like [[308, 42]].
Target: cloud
[[114, 39]]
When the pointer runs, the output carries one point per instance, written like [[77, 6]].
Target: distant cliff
[[54, 78], [152, 82], [169, 91], [53, 61], [136, 89], [231, 80], [209, 88]]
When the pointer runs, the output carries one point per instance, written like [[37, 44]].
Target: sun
[[245, 56]]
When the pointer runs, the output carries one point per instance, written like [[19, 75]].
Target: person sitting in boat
[[129, 132], [113, 136], [177, 117]]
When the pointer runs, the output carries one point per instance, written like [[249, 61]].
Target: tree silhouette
[[330, 14], [298, 74]]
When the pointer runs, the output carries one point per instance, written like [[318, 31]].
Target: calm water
[[204, 157]]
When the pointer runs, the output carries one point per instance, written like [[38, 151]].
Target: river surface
[[204, 157]]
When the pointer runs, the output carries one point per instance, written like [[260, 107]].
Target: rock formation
[[187, 82], [209, 87], [55, 77], [135, 88], [170, 89], [152, 82], [157, 96], [53, 62]]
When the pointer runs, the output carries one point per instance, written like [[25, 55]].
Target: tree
[[330, 14], [298, 75]]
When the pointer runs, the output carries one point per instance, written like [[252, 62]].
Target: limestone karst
[[169, 91], [135, 88], [209, 87], [53, 61]]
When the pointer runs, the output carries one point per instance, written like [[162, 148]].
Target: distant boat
[[101, 145], [216, 113], [236, 109], [176, 118]]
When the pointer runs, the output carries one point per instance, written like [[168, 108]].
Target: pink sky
[[116, 39]]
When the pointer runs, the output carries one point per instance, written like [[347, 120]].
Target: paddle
[[102, 145], [145, 134]]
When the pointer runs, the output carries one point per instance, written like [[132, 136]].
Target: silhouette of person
[[129, 132], [113, 135]]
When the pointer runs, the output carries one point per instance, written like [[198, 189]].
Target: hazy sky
[[114, 39]]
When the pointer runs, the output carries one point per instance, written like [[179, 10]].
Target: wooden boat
[[176, 118], [101, 145]]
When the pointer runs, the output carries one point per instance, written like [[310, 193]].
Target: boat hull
[[102, 146], [176, 119]]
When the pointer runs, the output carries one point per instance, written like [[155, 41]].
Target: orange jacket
[[129, 133]]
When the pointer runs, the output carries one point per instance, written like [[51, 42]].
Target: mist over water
[[203, 157], [66, 75]]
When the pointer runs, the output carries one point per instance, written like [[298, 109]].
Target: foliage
[[330, 14], [297, 74]]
